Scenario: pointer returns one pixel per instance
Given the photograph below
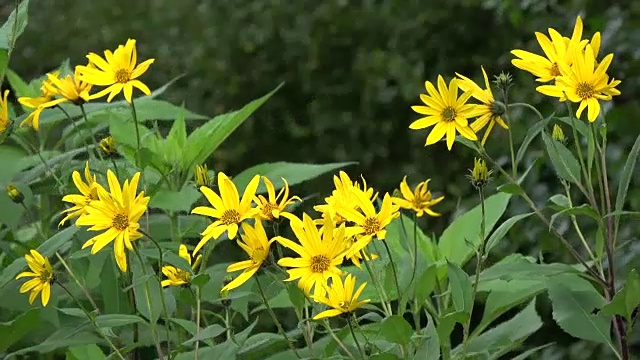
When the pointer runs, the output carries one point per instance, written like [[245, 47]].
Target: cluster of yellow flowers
[[570, 63]]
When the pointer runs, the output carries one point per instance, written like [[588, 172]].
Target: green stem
[[575, 223], [530, 107], [275, 318], [227, 321], [75, 126], [395, 276], [583, 167], [135, 122], [75, 278], [91, 135], [115, 167], [337, 340], [152, 325], [93, 321], [198, 321], [415, 248], [44, 162], [514, 166], [355, 338], [307, 328], [376, 284]]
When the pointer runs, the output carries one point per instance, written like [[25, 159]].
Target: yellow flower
[[368, 223], [108, 146], [342, 196], [118, 212], [275, 206], [420, 200], [47, 92], [584, 83], [118, 70], [490, 111], [14, 194], [356, 256], [202, 175], [4, 113], [320, 254], [227, 208], [70, 89], [559, 51], [341, 299], [42, 274], [176, 276], [445, 110], [88, 193], [255, 243]]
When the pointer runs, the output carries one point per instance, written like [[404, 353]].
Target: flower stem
[[92, 320], [355, 338], [275, 318], [44, 162], [75, 126], [576, 141], [376, 283], [198, 322], [135, 123], [75, 278], [395, 276], [514, 166], [337, 340], [86, 120]]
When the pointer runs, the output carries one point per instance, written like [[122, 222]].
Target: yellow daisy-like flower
[[356, 256], [118, 212], [255, 243], [228, 208], [558, 50], [584, 83], [320, 254], [341, 299], [119, 70], [489, 112], [368, 222], [88, 193], [4, 113], [47, 92], [176, 276], [419, 201], [448, 112], [42, 274], [274, 206], [342, 196]]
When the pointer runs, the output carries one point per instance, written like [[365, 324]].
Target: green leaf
[[261, 345], [561, 201], [531, 134], [565, 164], [627, 299], [583, 209], [508, 335], [17, 21], [176, 140], [147, 292], [591, 151], [574, 300], [200, 280], [19, 86], [511, 188], [447, 323], [115, 320], [527, 354], [625, 178], [461, 288], [170, 200], [62, 338], [206, 139], [14, 330], [397, 330], [503, 229], [294, 173], [207, 333], [429, 347], [467, 227], [580, 126], [85, 352]]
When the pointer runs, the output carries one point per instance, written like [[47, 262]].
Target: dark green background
[[352, 70]]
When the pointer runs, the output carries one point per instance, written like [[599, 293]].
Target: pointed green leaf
[[14, 330], [14, 26], [627, 299], [115, 320], [533, 131], [461, 288], [503, 229], [397, 330], [625, 179], [170, 200], [565, 164], [85, 352]]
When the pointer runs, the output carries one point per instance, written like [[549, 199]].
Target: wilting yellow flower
[[47, 92], [489, 112], [274, 206], [368, 222], [88, 193], [176, 276], [71, 88], [420, 200], [4, 113], [320, 254], [108, 146], [42, 274], [341, 299], [117, 212], [202, 175], [584, 83], [342, 196], [558, 134], [558, 50], [14, 194], [227, 208], [255, 243], [445, 110], [118, 70], [480, 174]]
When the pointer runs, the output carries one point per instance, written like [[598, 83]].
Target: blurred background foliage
[[352, 70]]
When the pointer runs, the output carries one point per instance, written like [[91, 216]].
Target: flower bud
[[225, 294], [108, 146], [503, 81], [480, 174], [558, 134], [14, 194], [202, 176]]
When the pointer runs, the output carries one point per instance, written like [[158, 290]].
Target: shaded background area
[[352, 70]]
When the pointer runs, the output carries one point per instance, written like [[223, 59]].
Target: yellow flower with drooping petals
[[320, 254], [119, 71], [88, 193], [448, 112], [342, 196], [584, 83], [272, 207], [255, 243], [228, 208], [47, 92], [419, 201], [42, 274], [5, 122], [489, 112], [117, 213], [176, 276], [341, 298]]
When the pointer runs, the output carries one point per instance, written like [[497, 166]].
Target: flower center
[[419, 201], [555, 70], [585, 90], [449, 114], [46, 276], [371, 226], [230, 216], [120, 222], [88, 200], [123, 76], [320, 263], [267, 209], [344, 305]]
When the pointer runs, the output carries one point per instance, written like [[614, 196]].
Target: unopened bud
[[108, 146], [503, 81], [498, 108], [202, 177], [558, 134], [480, 174], [14, 194]]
